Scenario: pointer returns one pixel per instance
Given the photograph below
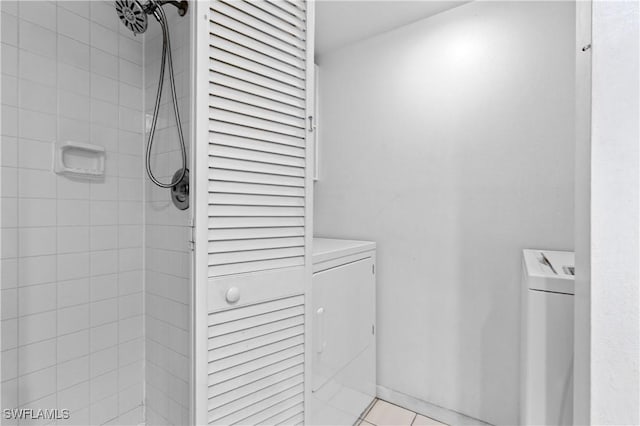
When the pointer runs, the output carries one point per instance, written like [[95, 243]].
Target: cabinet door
[[253, 209]]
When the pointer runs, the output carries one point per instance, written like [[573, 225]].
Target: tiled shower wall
[[72, 254], [167, 290]]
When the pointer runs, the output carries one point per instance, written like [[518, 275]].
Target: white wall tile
[[104, 63], [9, 243], [130, 328], [9, 58], [105, 385], [9, 29], [72, 372], [9, 273], [36, 299], [73, 266], [36, 125], [73, 52], [37, 39], [72, 105], [35, 154], [74, 79], [73, 239], [129, 282], [103, 411], [104, 336], [130, 351], [73, 212], [73, 345], [31, 66], [9, 90], [75, 397], [108, 138], [37, 212], [9, 120], [36, 241], [34, 328], [103, 361], [130, 96], [104, 237], [73, 292], [9, 303], [104, 262], [71, 129], [9, 366], [106, 189], [104, 39], [104, 213], [129, 236], [78, 7], [104, 88], [130, 49], [37, 356], [9, 213], [103, 13], [37, 97], [104, 311], [130, 213], [9, 335], [38, 384], [104, 287], [36, 183], [10, 7], [36, 270], [9, 152], [130, 259], [38, 12], [130, 120], [104, 113], [73, 26], [130, 73], [9, 181], [130, 305], [72, 189], [73, 319]]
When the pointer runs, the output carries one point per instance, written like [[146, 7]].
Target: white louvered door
[[253, 210]]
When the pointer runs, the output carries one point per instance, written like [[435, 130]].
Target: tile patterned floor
[[383, 413]]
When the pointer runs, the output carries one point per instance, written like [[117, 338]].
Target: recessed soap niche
[[79, 159]]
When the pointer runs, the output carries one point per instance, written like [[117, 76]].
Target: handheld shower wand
[[133, 15]]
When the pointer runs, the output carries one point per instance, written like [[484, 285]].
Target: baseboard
[[428, 409]]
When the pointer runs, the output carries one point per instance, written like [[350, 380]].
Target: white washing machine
[[547, 337], [343, 330]]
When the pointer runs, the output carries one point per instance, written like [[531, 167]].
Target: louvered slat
[[259, 265], [232, 152], [262, 243], [258, 146], [244, 234], [256, 362], [230, 163], [220, 198]]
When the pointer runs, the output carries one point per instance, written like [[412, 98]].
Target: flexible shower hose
[[166, 57]]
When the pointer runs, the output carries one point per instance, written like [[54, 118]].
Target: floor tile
[[385, 414], [426, 421]]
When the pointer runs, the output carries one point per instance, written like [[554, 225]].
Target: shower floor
[[383, 413]]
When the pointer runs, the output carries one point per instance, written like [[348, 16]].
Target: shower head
[[132, 14]]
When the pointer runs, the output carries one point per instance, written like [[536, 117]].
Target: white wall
[[450, 143], [71, 248], [615, 187]]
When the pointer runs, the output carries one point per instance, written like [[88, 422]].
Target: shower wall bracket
[[79, 159]]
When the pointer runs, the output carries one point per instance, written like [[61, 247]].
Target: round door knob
[[233, 295]]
